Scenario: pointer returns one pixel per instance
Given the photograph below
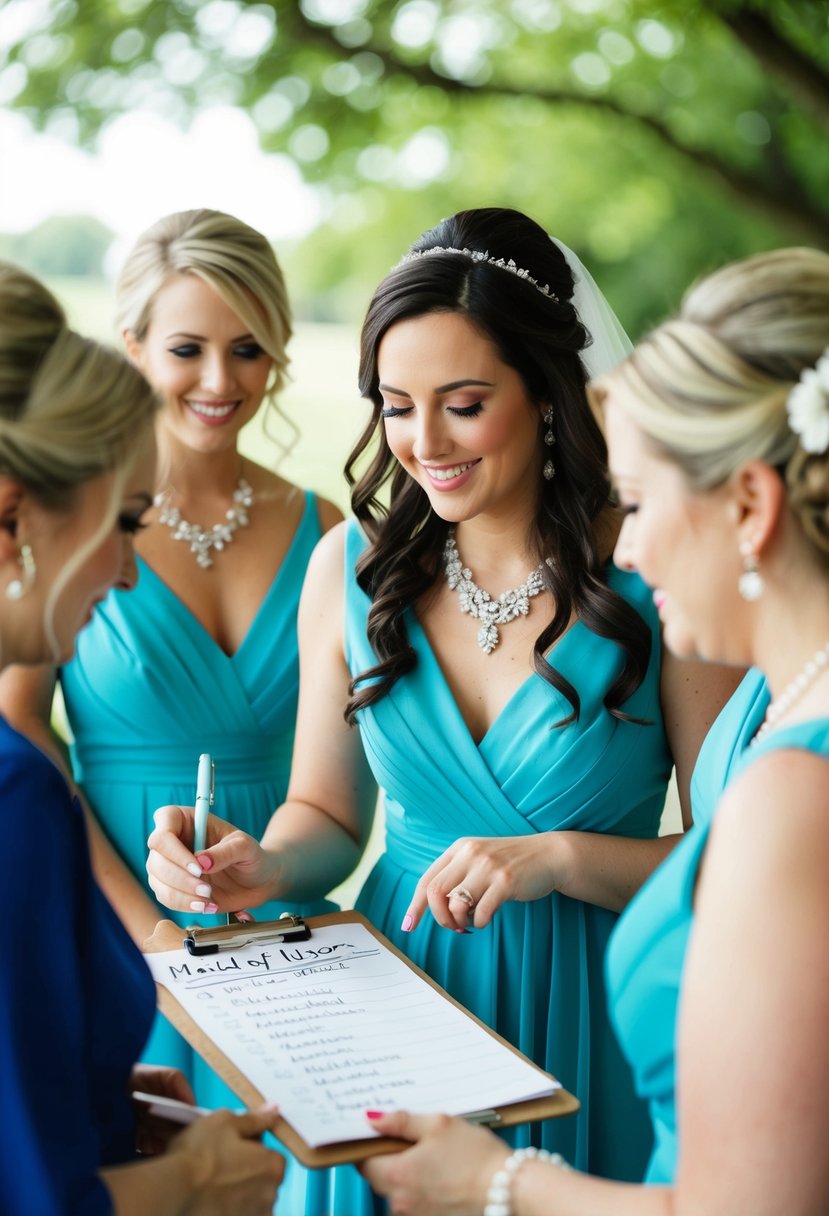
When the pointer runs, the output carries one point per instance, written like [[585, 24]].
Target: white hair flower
[[808, 406]]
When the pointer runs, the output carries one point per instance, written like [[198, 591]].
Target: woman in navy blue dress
[[76, 999]]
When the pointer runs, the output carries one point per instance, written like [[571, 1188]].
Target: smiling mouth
[[446, 474], [213, 411]]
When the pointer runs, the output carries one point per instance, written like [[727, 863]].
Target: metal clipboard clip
[[204, 940]]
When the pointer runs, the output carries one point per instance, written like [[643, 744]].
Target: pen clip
[[212, 782]]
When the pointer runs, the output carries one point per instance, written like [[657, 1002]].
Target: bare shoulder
[[321, 605], [777, 811], [329, 514], [269, 486], [326, 564], [702, 689], [27, 691], [692, 695]]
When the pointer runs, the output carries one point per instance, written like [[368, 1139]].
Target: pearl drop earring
[[750, 583], [18, 587]]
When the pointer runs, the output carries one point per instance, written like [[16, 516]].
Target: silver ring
[[462, 893]]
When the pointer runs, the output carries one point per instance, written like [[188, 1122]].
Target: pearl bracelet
[[497, 1196]]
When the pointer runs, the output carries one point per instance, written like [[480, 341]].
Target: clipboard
[[169, 936]]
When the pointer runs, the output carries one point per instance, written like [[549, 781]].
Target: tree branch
[[802, 77], [784, 203]]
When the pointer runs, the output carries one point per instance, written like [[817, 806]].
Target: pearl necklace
[[792, 692], [480, 604], [202, 540]]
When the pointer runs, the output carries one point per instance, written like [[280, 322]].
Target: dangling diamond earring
[[18, 587], [750, 583], [549, 438]]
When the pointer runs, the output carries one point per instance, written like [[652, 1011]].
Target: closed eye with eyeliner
[[458, 419]]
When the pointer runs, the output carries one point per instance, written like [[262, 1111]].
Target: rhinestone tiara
[[478, 256]]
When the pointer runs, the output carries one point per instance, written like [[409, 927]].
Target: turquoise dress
[[535, 974], [148, 690], [646, 956]]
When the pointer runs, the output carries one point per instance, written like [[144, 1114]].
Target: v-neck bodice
[[428, 656], [285, 582], [149, 688]]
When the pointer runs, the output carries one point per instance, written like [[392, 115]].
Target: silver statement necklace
[[479, 603], [202, 540], [793, 692]]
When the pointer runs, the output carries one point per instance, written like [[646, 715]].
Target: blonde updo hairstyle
[[70, 410], [709, 388], [232, 258]]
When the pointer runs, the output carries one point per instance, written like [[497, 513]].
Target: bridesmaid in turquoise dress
[[202, 656], [549, 735], [135, 743], [718, 434], [647, 951]]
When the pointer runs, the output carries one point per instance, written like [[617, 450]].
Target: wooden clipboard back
[[168, 936]]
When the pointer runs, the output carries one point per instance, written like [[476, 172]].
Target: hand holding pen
[[227, 869]]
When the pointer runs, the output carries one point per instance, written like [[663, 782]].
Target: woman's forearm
[[314, 852], [540, 1189], [605, 870], [164, 1186]]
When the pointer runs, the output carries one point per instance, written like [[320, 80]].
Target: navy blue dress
[[76, 1001]]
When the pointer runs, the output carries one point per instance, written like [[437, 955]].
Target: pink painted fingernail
[[211, 907], [408, 921], [244, 917], [374, 1114], [205, 862]]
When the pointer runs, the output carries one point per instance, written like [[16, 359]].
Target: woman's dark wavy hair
[[540, 337]]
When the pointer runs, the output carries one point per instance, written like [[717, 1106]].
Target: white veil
[[610, 342]]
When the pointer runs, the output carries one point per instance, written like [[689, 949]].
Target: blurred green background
[[656, 138]]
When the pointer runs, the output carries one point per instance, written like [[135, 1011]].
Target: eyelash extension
[[249, 351], [466, 411]]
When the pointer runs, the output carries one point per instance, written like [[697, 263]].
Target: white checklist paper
[[339, 1025]]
